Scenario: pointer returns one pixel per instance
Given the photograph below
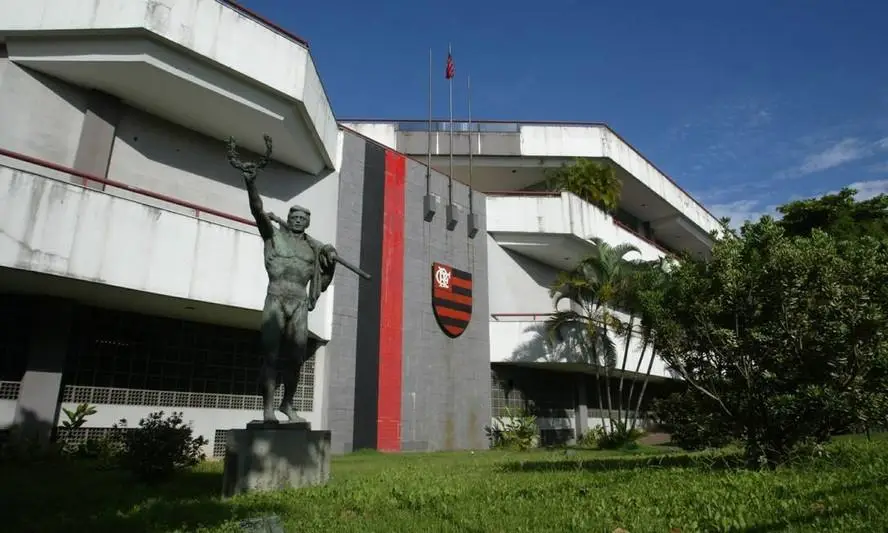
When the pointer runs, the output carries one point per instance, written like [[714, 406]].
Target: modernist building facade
[[131, 275], [533, 233]]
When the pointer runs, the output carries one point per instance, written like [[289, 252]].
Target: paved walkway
[[654, 439]]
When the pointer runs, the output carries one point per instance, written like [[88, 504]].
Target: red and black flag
[[450, 70], [451, 298]]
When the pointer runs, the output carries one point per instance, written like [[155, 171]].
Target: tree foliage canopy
[[782, 336], [596, 183], [840, 215]]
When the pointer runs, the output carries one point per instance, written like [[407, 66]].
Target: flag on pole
[[449, 73]]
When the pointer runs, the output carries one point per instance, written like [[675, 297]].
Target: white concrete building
[[114, 90], [533, 234], [131, 273]]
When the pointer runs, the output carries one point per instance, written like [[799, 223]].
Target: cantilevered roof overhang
[[208, 65], [503, 151]]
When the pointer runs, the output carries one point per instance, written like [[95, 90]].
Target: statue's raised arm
[[249, 170]]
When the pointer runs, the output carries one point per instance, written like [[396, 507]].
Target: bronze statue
[[299, 269]]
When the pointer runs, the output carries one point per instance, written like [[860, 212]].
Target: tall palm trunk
[[644, 347], [647, 377], [623, 374], [589, 358], [600, 397], [607, 387]]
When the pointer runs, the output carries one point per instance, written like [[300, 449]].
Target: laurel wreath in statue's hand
[[249, 169]]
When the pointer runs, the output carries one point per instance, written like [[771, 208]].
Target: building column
[[97, 137], [37, 409], [581, 413], [321, 383]]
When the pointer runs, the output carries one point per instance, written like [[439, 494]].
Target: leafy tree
[[594, 182], [784, 336], [838, 214], [693, 421]]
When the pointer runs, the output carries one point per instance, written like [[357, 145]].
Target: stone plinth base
[[274, 456]]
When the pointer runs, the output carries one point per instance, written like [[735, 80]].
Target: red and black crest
[[451, 298]]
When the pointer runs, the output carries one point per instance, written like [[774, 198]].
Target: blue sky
[[745, 104]]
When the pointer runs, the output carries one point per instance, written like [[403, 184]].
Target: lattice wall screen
[[130, 359], [81, 435], [9, 390], [219, 442]]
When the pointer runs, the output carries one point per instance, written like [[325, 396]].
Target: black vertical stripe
[[369, 295]]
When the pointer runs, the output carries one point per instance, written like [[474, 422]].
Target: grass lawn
[[538, 491]]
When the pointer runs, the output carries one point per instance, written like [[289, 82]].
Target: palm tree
[[628, 302], [650, 290], [594, 289], [594, 182]]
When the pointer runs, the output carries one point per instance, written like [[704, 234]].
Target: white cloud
[[842, 152], [839, 153], [742, 210]]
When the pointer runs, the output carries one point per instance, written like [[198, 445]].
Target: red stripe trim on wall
[[391, 338]]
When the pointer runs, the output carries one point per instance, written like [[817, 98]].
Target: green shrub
[[621, 436], [516, 431], [74, 420], [590, 438], [106, 451], [160, 447], [691, 424]]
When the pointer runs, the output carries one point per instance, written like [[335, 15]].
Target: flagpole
[[429, 157], [450, 183], [469, 96]]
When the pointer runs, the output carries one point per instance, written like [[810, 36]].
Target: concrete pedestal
[[273, 456]]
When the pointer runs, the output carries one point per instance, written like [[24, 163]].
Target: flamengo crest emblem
[[451, 298]]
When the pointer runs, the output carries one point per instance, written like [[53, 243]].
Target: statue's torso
[[290, 263]]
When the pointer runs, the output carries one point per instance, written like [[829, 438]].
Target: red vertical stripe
[[391, 338]]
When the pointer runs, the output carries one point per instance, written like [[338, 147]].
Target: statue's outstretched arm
[[250, 170], [266, 230]]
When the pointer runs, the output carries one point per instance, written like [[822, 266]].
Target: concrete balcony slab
[[92, 244], [200, 63], [554, 228]]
